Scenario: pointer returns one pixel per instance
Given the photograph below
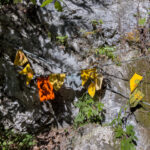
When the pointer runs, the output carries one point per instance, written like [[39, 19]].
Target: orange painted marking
[[45, 89]]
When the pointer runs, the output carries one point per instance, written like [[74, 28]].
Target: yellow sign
[[135, 98], [88, 73], [57, 80], [95, 79], [28, 72], [134, 81], [91, 89]]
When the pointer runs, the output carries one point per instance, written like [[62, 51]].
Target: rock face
[[35, 30], [97, 138]]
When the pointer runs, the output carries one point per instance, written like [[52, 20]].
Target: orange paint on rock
[[45, 89]]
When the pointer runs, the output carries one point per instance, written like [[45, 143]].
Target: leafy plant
[[57, 4], [49, 35], [100, 21], [107, 51], [142, 21], [15, 141], [94, 22], [17, 1], [62, 39], [127, 136], [89, 111], [46, 3], [33, 1]]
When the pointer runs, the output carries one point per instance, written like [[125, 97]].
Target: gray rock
[[27, 27]]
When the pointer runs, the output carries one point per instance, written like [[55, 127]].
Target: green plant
[[89, 111], [127, 136], [49, 35], [57, 4], [100, 21], [107, 51], [9, 140], [94, 22], [62, 39], [142, 21]]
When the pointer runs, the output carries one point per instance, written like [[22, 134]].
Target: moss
[[143, 117]]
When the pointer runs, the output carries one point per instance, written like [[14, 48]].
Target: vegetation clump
[[9, 140], [107, 51], [62, 39], [89, 111], [125, 133]]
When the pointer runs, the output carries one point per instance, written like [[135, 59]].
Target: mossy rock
[[143, 117]]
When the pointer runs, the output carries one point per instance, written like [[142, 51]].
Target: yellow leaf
[[57, 80], [135, 97], [91, 89], [29, 78], [134, 81], [88, 73], [20, 59], [28, 72], [98, 82]]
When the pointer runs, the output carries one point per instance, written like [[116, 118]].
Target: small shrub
[[15, 141], [100, 21], [126, 136], [62, 39], [94, 22], [142, 21], [49, 35], [107, 51], [89, 111], [57, 4]]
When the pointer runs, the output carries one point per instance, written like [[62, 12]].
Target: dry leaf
[[98, 82], [20, 59], [57, 80]]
